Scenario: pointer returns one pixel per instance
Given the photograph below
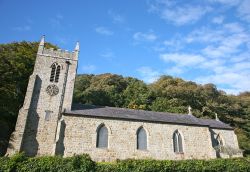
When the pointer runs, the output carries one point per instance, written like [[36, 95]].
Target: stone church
[[48, 123]]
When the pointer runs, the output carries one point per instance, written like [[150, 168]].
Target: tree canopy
[[167, 94]]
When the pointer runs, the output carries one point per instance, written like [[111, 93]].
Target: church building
[[48, 123]]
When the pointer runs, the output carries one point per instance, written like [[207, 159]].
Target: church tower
[[49, 94]]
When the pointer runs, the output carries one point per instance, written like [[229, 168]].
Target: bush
[[83, 163], [21, 163], [225, 165], [11, 164]]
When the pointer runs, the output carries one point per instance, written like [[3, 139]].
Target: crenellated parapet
[[58, 53]]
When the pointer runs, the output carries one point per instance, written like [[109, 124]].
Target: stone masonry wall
[[34, 134], [229, 140], [80, 137]]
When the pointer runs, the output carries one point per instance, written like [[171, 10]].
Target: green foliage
[[20, 163], [225, 165], [83, 163], [11, 164]]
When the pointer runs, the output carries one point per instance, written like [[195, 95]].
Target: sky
[[204, 41]]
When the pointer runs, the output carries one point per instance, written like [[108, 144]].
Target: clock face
[[52, 90]]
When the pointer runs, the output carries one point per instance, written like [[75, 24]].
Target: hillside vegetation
[[166, 94]]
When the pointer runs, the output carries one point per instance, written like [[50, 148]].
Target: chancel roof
[[142, 115]]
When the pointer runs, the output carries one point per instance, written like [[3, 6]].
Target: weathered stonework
[[33, 134], [45, 128], [81, 132]]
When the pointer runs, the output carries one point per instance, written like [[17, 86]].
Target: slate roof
[[142, 115], [216, 124]]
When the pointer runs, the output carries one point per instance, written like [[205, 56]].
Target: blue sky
[[203, 41]]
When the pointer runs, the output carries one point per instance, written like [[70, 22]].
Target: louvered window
[[55, 72], [141, 139], [102, 137], [177, 141], [52, 74]]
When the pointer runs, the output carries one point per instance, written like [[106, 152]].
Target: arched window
[[177, 141], [141, 139], [52, 74], [218, 141], [102, 137], [55, 72]]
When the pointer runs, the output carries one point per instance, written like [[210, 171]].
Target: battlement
[[51, 52], [58, 53]]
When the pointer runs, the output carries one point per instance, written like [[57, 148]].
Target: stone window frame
[[147, 139], [109, 135], [47, 116], [221, 141], [182, 141], [55, 72]]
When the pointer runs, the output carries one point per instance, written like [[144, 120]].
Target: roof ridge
[[141, 110]]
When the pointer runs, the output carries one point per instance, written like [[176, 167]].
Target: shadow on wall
[[60, 143], [214, 142], [30, 144]]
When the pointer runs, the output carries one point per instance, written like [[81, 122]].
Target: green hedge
[[222, 165], [20, 163], [84, 163]]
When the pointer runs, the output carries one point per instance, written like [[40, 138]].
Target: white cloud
[[108, 54], [205, 35], [56, 22], [22, 28], [104, 31], [242, 7], [139, 36], [230, 45], [244, 10], [185, 14], [224, 41], [182, 59], [175, 70], [148, 74], [89, 68], [178, 13], [233, 27], [218, 20], [226, 2], [117, 18], [175, 43], [233, 82]]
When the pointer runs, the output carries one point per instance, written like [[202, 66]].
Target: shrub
[[83, 163], [11, 164], [225, 165], [77, 163]]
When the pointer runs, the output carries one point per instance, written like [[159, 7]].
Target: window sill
[[179, 153], [103, 148], [142, 150]]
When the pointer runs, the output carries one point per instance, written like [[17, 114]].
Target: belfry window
[[141, 139], [55, 72], [102, 137], [177, 141]]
